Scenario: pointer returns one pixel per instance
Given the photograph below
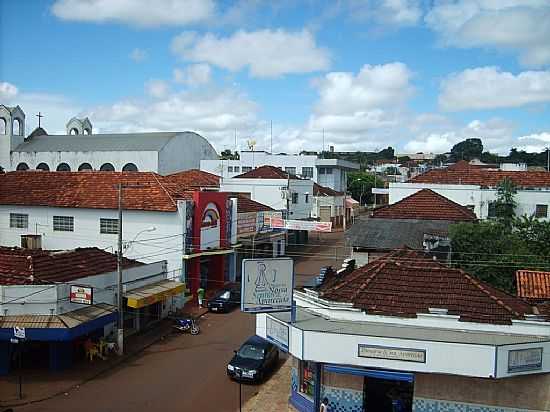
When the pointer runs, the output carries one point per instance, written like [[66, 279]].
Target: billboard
[[267, 285], [81, 294], [312, 226]]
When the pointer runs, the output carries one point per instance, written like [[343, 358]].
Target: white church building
[[80, 149]]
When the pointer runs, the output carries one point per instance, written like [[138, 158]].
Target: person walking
[[324, 405]]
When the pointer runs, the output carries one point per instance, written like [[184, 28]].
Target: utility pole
[[271, 134], [120, 325], [548, 159]]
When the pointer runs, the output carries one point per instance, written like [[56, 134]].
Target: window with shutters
[[19, 220], [63, 224], [108, 226]]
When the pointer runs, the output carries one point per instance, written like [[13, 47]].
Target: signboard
[[18, 332], [267, 285], [385, 352], [520, 360], [312, 226], [81, 294], [277, 333]]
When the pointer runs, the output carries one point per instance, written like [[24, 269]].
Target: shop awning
[[67, 326], [147, 295]]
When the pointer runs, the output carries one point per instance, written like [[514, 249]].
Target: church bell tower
[[12, 133]]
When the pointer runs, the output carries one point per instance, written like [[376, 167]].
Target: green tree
[[467, 150], [360, 186], [505, 204], [228, 155]]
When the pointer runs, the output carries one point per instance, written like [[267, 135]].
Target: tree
[[228, 155], [360, 186], [467, 150], [505, 205]]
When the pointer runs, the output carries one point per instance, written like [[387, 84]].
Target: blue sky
[[417, 75]]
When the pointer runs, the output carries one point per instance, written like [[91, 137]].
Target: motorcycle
[[184, 325]]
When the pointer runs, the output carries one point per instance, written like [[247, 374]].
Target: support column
[[61, 355], [6, 350]]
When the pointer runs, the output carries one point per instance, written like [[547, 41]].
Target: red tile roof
[[405, 283], [532, 284], [426, 205], [245, 205], [194, 178], [34, 266], [473, 175], [266, 172], [319, 190], [93, 190]]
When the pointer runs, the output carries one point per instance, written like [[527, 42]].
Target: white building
[[476, 188], [275, 188], [326, 172], [330, 206], [80, 149], [409, 334]]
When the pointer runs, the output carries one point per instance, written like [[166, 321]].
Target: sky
[[417, 75]]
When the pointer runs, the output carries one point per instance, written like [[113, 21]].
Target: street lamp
[[129, 244]]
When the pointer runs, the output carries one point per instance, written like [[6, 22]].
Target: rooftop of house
[[37, 267], [425, 205], [463, 173], [92, 190], [194, 178], [533, 284], [405, 283], [246, 205], [319, 190], [266, 172]]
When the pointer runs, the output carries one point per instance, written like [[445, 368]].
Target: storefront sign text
[[277, 332], [81, 294], [384, 352], [520, 360]]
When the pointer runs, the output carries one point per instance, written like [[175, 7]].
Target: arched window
[[22, 166], [74, 131], [130, 167], [87, 131], [3, 128], [17, 129], [43, 166], [107, 167], [63, 167], [84, 166]]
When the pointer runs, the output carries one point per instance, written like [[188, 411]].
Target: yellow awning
[[147, 295]]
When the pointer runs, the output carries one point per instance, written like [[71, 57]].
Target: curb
[[114, 365]]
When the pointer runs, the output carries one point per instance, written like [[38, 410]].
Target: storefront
[[367, 342]]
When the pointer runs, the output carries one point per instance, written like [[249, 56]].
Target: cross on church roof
[[40, 116]]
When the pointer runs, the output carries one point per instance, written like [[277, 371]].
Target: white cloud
[[7, 91], [266, 53], [157, 89], [387, 12], [194, 74], [536, 142], [145, 13], [138, 55], [489, 88], [521, 26]]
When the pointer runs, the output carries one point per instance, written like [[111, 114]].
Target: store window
[[307, 379]]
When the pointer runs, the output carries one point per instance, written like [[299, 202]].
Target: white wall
[[168, 226], [182, 153], [333, 201], [54, 299], [473, 195], [268, 192], [145, 161]]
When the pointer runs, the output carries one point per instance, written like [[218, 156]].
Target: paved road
[[183, 373]]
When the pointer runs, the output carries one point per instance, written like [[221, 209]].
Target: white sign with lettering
[[277, 332], [524, 360], [384, 352]]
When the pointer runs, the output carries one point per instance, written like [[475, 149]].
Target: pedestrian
[[324, 405]]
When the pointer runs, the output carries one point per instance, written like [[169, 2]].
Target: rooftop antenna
[[323, 140], [235, 140], [271, 134], [251, 143]]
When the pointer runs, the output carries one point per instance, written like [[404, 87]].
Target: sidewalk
[[273, 395], [43, 384]]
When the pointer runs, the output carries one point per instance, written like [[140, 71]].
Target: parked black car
[[225, 300], [254, 360]]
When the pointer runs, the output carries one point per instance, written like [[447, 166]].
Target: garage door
[[324, 213]]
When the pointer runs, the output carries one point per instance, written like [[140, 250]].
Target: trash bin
[[200, 295]]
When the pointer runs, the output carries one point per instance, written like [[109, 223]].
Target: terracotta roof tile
[[35, 266], [405, 283], [266, 172], [472, 175], [319, 190], [533, 284], [92, 190], [194, 178], [426, 205], [245, 205]]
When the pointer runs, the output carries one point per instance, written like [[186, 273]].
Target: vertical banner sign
[[267, 285]]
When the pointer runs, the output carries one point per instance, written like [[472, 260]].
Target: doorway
[[385, 395]]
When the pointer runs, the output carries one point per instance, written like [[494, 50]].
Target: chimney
[[31, 241]]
